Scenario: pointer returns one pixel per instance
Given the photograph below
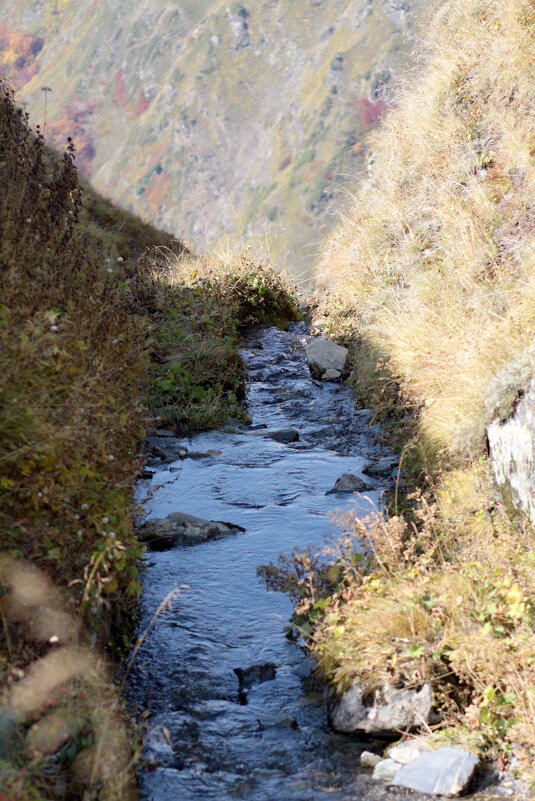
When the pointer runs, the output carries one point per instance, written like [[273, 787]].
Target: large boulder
[[179, 528], [389, 711], [324, 356]]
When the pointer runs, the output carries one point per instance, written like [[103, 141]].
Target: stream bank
[[229, 715]]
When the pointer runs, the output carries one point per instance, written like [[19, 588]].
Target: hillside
[[430, 280], [204, 117]]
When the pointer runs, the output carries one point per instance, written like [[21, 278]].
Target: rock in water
[[369, 760], [255, 674], [386, 769], [348, 483], [331, 375], [382, 467], [182, 529], [283, 435], [447, 771], [324, 355], [392, 710]]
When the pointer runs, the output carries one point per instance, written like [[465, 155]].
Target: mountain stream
[[207, 737]]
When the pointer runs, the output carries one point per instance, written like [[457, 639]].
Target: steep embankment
[[96, 344], [212, 116], [431, 280]]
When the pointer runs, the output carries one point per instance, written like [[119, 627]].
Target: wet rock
[[331, 375], [369, 760], [389, 710], [305, 668], [382, 467], [285, 435], [146, 473], [164, 448], [182, 529], [197, 455], [348, 483], [447, 771], [386, 769], [164, 432], [255, 674], [407, 751], [47, 736], [323, 355]]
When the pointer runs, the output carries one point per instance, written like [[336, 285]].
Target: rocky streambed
[[229, 710]]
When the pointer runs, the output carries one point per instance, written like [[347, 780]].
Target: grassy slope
[[95, 346], [431, 279], [217, 142]]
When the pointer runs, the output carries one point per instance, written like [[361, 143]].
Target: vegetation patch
[[99, 339]]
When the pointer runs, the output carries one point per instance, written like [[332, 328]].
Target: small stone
[[331, 375], [47, 736], [348, 483], [447, 771], [213, 452], [382, 467], [386, 769], [369, 760], [164, 432], [197, 455], [146, 473], [285, 435], [407, 751]]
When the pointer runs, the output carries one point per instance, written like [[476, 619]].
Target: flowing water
[[203, 741]]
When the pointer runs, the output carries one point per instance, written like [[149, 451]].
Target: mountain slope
[[206, 117]]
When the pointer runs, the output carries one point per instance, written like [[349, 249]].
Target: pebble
[[407, 751], [369, 760]]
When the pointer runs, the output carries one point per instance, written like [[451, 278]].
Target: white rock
[[386, 769], [323, 355], [369, 760], [447, 771], [391, 711], [407, 751]]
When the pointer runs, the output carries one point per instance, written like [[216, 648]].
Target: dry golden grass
[[431, 279], [434, 261]]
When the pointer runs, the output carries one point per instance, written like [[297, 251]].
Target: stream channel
[[201, 742]]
